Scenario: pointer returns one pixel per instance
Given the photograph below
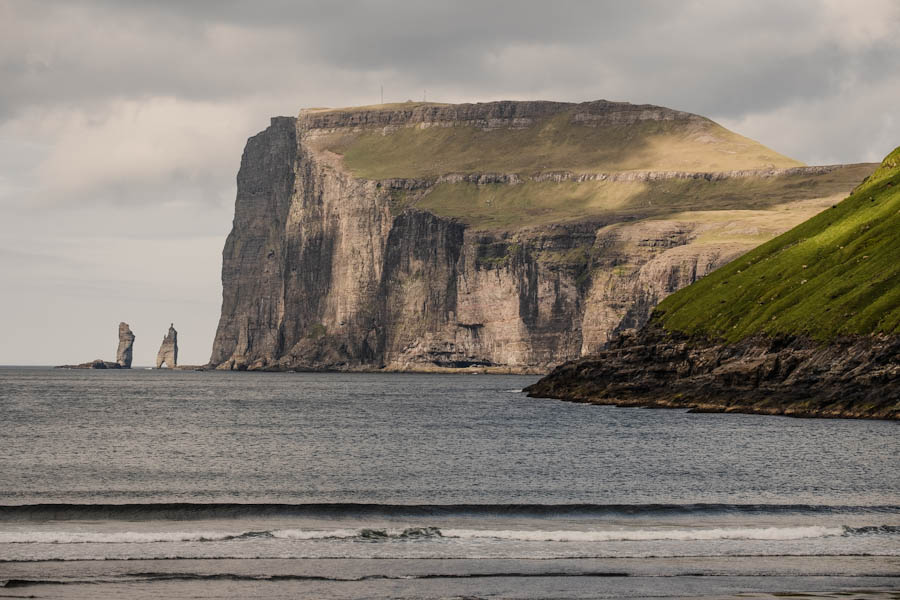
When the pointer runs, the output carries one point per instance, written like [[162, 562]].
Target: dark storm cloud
[[724, 58]]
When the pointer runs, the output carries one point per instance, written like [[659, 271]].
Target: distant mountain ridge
[[808, 324]]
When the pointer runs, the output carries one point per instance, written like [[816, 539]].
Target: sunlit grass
[[837, 273], [549, 144]]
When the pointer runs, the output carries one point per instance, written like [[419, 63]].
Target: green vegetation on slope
[[550, 144], [837, 273], [504, 206]]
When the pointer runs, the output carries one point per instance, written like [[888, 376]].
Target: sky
[[122, 123]]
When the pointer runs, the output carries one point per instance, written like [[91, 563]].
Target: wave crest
[[426, 533]]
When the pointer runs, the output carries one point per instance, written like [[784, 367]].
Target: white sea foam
[[119, 537], [638, 535], [608, 535], [135, 537], [307, 534]]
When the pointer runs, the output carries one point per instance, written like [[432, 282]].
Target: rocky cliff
[[807, 324], [168, 350], [851, 377], [126, 342], [510, 235]]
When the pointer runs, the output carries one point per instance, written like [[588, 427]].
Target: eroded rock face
[[168, 351], [323, 271], [126, 342], [852, 377]]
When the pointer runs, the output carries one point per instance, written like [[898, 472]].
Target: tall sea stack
[[168, 351], [126, 341]]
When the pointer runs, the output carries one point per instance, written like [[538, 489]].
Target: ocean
[[182, 484]]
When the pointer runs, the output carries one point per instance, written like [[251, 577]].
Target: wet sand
[[771, 577]]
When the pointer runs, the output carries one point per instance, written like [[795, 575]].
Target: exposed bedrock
[[126, 342], [851, 377], [168, 350], [323, 270]]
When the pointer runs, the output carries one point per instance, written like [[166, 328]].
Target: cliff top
[[837, 273], [427, 140]]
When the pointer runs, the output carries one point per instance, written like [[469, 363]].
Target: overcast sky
[[122, 124]]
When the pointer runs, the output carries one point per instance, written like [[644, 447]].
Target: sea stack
[[168, 351], [126, 341]]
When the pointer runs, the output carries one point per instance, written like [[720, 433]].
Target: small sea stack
[[123, 353], [126, 342], [168, 351]]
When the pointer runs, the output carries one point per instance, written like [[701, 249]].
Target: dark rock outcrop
[[852, 377], [97, 363], [126, 342], [490, 115], [168, 351]]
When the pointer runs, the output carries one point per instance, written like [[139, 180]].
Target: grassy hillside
[[837, 273], [501, 206], [553, 143]]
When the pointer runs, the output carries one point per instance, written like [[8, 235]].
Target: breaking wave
[[424, 533]]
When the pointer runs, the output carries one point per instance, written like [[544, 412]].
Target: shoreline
[[852, 377], [773, 409], [865, 578]]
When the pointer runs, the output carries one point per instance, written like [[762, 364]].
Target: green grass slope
[[504, 207], [554, 143], [837, 273]]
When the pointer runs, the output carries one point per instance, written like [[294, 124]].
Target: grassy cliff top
[[532, 203], [837, 273], [422, 140]]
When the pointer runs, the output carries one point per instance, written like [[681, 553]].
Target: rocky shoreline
[[94, 364], [851, 377]]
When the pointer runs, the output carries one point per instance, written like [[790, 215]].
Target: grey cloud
[[720, 57], [122, 123]]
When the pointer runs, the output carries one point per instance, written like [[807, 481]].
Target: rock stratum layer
[[508, 235], [851, 377], [807, 324]]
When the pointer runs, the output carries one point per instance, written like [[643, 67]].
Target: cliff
[[507, 235], [807, 324]]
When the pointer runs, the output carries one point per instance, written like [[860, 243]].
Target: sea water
[[208, 484]]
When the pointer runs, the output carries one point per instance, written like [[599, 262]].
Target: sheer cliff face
[[325, 269]]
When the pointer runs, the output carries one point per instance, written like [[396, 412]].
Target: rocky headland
[[508, 236], [850, 377], [806, 325]]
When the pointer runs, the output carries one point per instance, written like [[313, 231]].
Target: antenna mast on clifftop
[[382, 94]]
